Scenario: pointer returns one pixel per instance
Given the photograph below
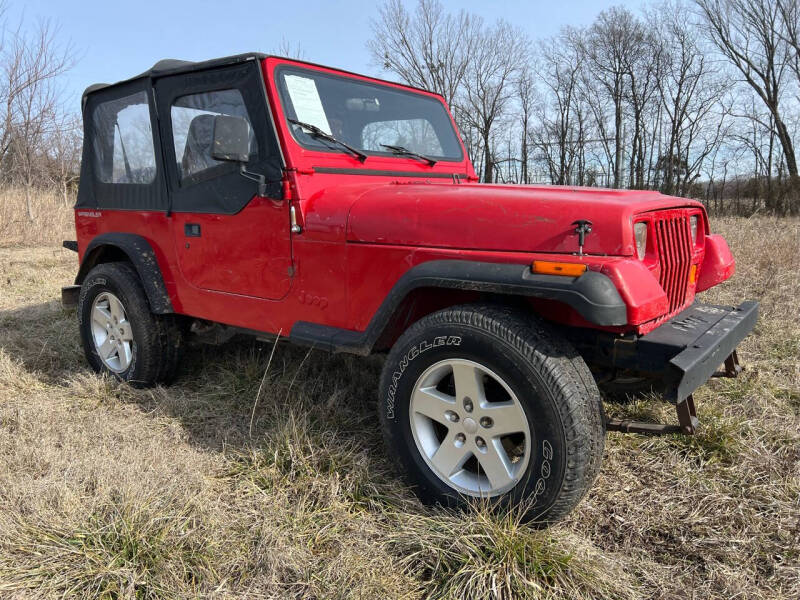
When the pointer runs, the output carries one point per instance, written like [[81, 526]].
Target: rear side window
[[123, 140], [193, 130]]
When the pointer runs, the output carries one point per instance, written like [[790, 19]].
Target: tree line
[[40, 138], [693, 98]]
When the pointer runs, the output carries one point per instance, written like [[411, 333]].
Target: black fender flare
[[593, 295], [141, 254]]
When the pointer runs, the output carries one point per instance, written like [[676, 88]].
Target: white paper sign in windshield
[[306, 102]]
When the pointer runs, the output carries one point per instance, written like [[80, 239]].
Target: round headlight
[[640, 233], [693, 227]]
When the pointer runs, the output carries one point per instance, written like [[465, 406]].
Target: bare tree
[[290, 49], [526, 95], [559, 135], [428, 48], [643, 100], [30, 65], [641, 67], [610, 45], [496, 58], [748, 34], [691, 94], [64, 154], [789, 31]]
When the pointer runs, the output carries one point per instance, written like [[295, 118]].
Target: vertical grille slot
[[675, 254]]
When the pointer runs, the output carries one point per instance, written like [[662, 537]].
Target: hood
[[502, 217]]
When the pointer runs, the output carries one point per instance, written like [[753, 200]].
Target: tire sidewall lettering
[[545, 470], [414, 352]]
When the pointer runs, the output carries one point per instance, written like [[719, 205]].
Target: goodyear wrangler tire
[[487, 401], [120, 335]]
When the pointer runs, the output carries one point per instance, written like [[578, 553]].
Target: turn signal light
[[693, 274], [546, 267]]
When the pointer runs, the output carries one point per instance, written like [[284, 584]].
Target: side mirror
[[231, 139]]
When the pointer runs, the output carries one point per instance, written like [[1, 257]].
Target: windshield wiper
[[407, 152], [324, 135]]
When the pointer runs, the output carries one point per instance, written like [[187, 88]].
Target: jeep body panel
[[592, 295], [138, 251], [361, 227], [503, 217]]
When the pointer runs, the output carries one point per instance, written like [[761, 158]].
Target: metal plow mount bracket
[[687, 415]]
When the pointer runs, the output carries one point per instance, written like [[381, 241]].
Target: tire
[[521, 362], [138, 347]]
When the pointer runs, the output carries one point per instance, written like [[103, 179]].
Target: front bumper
[[684, 352], [704, 335]]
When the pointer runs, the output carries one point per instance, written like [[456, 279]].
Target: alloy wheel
[[470, 427], [111, 332]]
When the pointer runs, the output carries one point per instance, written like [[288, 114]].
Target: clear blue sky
[[115, 40]]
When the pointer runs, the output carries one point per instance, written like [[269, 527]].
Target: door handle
[[191, 229]]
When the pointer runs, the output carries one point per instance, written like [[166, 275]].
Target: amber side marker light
[[546, 267], [693, 274]]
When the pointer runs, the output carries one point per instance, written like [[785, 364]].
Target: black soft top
[[157, 184], [172, 66], [164, 190]]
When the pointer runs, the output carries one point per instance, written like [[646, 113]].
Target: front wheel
[[482, 401]]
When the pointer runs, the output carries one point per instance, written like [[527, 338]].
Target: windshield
[[366, 116]]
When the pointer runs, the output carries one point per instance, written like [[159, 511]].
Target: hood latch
[[583, 229]]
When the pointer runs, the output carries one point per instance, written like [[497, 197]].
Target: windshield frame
[[282, 96]]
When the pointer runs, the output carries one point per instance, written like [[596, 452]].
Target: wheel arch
[[439, 284], [135, 249]]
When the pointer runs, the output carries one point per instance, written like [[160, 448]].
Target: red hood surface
[[502, 217]]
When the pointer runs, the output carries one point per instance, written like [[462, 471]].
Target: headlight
[[640, 233], [693, 228]]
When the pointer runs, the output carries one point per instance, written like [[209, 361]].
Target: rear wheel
[[481, 401], [120, 335]]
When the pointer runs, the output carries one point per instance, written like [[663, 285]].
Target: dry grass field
[[205, 489], [53, 219]]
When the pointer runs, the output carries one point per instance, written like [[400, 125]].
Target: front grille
[[675, 255]]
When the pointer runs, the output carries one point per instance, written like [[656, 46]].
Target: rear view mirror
[[231, 139]]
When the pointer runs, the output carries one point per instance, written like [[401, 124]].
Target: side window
[[123, 141], [415, 134], [193, 130]]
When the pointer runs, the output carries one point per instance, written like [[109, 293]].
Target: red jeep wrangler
[[261, 195]]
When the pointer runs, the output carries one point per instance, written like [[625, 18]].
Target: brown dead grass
[[111, 492], [53, 218]]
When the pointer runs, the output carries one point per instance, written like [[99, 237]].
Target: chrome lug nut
[[468, 404], [460, 440], [451, 416], [480, 443], [486, 422]]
